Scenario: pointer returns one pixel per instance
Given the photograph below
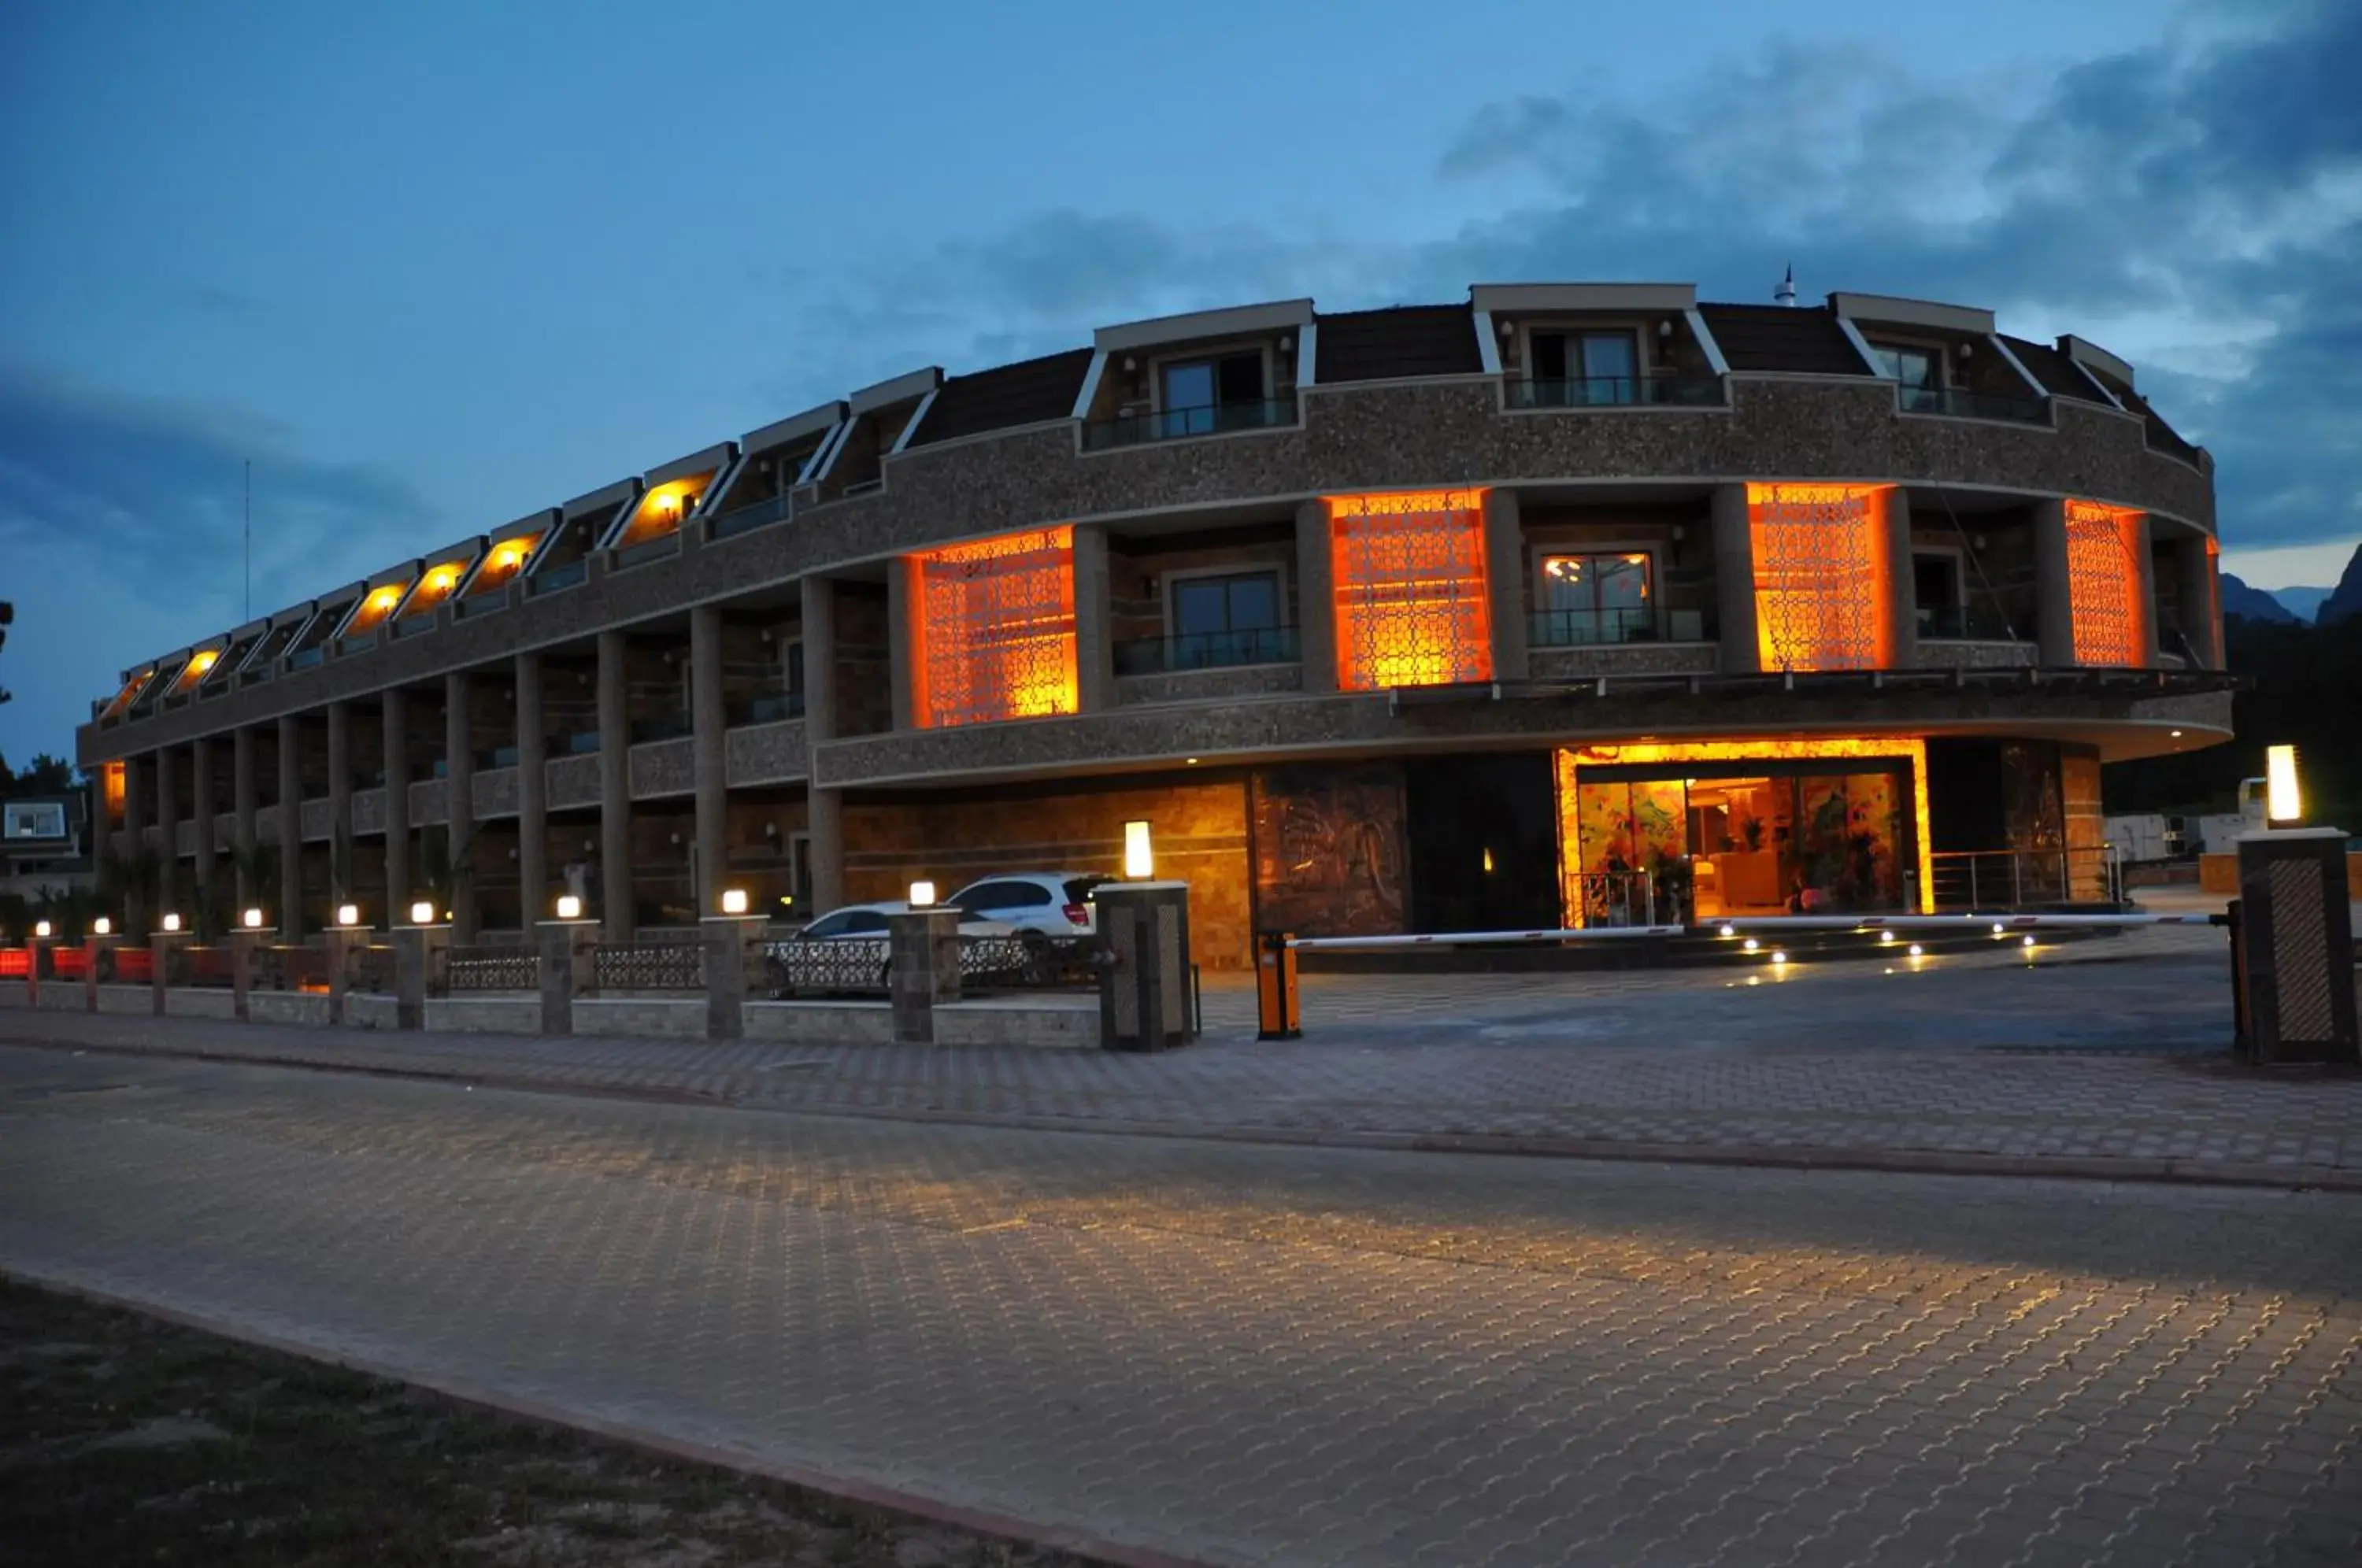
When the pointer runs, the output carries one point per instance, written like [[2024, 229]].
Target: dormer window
[[1919, 368], [1580, 369], [1194, 395]]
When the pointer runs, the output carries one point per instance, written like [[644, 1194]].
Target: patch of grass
[[128, 1439]]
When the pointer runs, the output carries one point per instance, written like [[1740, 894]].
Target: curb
[[1744, 1156], [977, 1521]]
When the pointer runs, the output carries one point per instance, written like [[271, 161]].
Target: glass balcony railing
[[767, 708], [497, 756], [303, 658], [664, 727], [549, 580], [1178, 423], [1958, 402], [1209, 650], [777, 509], [1583, 628], [581, 743], [1968, 622], [1619, 391]]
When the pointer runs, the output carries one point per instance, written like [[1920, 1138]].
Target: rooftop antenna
[[249, 541], [1786, 292]]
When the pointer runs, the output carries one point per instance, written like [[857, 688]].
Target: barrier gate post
[[1278, 1016]]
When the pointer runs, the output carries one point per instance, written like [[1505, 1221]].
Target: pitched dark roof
[[1028, 392], [1406, 340], [1782, 337], [2057, 372]]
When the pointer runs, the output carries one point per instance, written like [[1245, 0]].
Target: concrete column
[[902, 600], [241, 970], [819, 622], [1504, 574], [459, 802], [614, 789], [397, 805], [1094, 639], [2145, 591], [924, 956], [533, 796], [1315, 597], [243, 806], [732, 957], [290, 828], [1734, 581], [564, 970], [138, 792], [340, 807], [168, 813], [2054, 594], [2201, 596], [201, 810], [824, 826], [422, 956], [709, 719], [1902, 593]]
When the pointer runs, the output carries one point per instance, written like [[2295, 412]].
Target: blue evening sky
[[431, 266]]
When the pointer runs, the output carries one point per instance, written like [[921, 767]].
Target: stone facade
[[369, 810], [1621, 659], [767, 754], [661, 768], [495, 790], [573, 781], [1209, 685], [1975, 656]]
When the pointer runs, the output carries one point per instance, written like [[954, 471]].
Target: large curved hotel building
[[1526, 610]]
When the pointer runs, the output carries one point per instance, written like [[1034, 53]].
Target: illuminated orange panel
[[992, 629], [112, 786], [501, 565], [2103, 585], [1413, 603], [1823, 589], [201, 661], [2214, 601], [663, 509], [374, 608], [132, 690], [1570, 760], [434, 588]]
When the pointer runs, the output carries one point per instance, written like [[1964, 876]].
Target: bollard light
[[1139, 860], [423, 913], [1751, 944], [1726, 931], [922, 894], [1917, 951], [102, 926], [171, 922], [568, 907], [2283, 800], [42, 929], [1885, 937], [733, 901], [348, 914], [254, 920], [2028, 942], [1779, 957]]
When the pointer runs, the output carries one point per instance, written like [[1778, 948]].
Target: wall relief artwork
[[1329, 849]]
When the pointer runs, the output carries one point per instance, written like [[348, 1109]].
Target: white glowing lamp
[[568, 907], [254, 920], [922, 894], [171, 922], [423, 913], [42, 929], [102, 926], [1139, 858], [348, 914], [733, 901], [2283, 799]]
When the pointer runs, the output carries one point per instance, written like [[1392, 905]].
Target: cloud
[[122, 521]]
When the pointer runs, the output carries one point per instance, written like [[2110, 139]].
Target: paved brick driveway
[[2103, 1057], [1265, 1355]]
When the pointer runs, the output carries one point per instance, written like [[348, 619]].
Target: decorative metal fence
[[852, 968], [195, 965], [1622, 898], [503, 969], [1028, 963], [373, 970], [648, 967], [290, 969]]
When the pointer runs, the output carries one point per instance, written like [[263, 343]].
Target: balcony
[[2161, 439], [1209, 650], [1619, 391], [1589, 628], [664, 727], [1958, 402], [1181, 424], [496, 756], [1964, 624], [777, 509], [766, 708], [552, 579], [580, 743]]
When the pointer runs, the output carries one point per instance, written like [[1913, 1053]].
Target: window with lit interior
[[1602, 598]]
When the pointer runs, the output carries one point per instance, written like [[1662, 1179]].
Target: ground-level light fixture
[[2028, 942], [1751, 944], [253, 920], [423, 913], [1917, 951], [733, 901], [2283, 800], [568, 907], [171, 922], [1779, 957], [1726, 931], [1139, 858], [102, 926], [922, 894], [1998, 930]]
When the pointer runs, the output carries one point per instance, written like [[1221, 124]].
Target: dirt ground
[[127, 1440]]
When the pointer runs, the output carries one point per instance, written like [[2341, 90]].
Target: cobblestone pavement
[[1252, 1354], [2105, 1057]]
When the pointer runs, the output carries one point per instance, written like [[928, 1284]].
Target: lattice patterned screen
[[1822, 587], [2103, 584], [993, 629], [1412, 600]]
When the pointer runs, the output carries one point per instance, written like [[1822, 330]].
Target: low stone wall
[[191, 1001], [485, 1015], [369, 1011], [664, 1018], [126, 999], [819, 1022], [63, 996], [287, 1007], [1025, 1021]]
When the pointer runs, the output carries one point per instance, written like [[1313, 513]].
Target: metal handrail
[[1177, 423], [1959, 402], [739, 520], [1209, 650], [1580, 629], [766, 707], [2013, 878], [1618, 392]]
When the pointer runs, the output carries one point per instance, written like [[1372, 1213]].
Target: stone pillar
[[1094, 634], [290, 828], [160, 972], [137, 810], [564, 969], [1734, 581], [819, 631], [1902, 592], [2145, 590], [533, 796], [1146, 992], [397, 804], [340, 804], [614, 789], [95, 950], [2054, 594], [202, 806], [709, 748], [341, 944], [1505, 576], [923, 958], [243, 806], [901, 600], [459, 800], [1315, 597], [2292, 949], [168, 812], [421, 956], [824, 833], [732, 955], [2200, 597], [241, 969]]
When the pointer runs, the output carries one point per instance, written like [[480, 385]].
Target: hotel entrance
[[1656, 834]]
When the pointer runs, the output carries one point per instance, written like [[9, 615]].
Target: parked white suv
[[1050, 903]]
